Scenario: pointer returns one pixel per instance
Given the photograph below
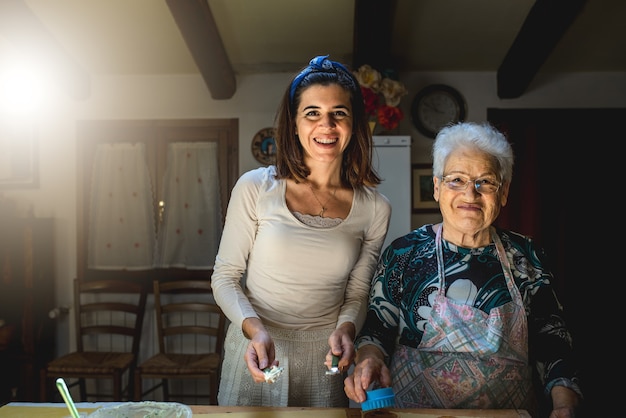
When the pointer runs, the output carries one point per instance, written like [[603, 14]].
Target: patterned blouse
[[406, 282]]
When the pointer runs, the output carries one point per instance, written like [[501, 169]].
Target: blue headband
[[320, 63]]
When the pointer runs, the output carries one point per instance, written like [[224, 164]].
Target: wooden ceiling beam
[[23, 29], [544, 26], [197, 26], [373, 29]]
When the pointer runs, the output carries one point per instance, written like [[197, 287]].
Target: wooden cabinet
[[27, 294]]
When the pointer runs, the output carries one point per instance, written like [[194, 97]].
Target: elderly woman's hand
[[370, 367], [565, 402]]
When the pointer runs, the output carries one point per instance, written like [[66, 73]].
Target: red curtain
[[558, 197], [535, 206]]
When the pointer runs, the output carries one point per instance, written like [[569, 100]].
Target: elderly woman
[[463, 314]]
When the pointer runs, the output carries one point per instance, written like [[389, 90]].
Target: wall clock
[[264, 146], [435, 106]]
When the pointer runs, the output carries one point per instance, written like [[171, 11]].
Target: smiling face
[[324, 123], [468, 214]]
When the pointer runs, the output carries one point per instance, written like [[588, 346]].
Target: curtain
[[559, 152], [121, 225], [124, 234], [192, 217], [539, 190]]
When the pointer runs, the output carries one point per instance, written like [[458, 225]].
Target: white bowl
[[146, 409]]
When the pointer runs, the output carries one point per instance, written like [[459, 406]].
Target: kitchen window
[[153, 196]]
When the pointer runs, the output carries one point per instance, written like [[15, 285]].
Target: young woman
[[306, 235]]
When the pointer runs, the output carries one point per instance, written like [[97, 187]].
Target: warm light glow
[[23, 86]]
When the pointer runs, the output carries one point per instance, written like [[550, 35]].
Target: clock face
[[264, 146], [436, 106]]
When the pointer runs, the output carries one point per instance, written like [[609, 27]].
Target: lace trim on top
[[317, 221]]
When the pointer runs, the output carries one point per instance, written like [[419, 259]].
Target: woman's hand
[[341, 343], [260, 353], [565, 402], [370, 367]]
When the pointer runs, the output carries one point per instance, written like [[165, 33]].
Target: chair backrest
[[188, 319], [109, 315]]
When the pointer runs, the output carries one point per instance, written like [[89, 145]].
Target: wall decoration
[[18, 157], [422, 180], [436, 106], [264, 146]]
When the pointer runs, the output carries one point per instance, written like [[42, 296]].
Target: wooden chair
[[108, 319], [190, 332]]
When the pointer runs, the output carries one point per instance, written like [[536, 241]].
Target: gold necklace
[[318, 201]]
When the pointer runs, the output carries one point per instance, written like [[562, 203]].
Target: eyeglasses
[[459, 182]]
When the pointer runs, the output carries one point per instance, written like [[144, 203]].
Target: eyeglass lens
[[483, 185]]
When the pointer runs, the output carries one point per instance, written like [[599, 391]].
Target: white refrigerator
[[392, 160]]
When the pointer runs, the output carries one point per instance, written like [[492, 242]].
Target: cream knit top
[[291, 275]]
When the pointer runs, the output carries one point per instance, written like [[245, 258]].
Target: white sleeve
[[237, 240], [354, 307]]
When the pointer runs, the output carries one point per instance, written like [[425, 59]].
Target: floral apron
[[467, 358]]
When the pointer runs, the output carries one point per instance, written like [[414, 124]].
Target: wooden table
[[256, 412], [59, 410]]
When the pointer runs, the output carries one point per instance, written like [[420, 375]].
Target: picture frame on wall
[[422, 181], [18, 157]]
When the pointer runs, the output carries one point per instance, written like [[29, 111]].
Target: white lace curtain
[[124, 233], [192, 218]]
